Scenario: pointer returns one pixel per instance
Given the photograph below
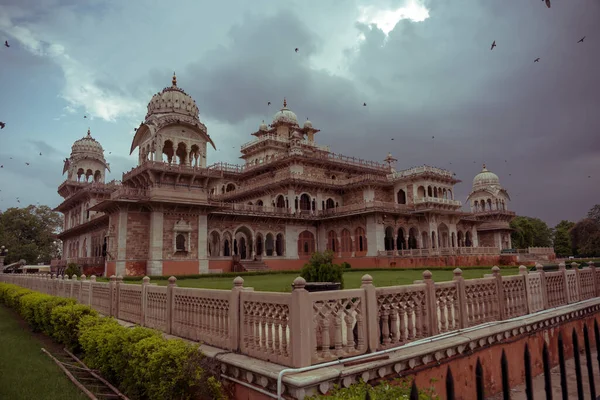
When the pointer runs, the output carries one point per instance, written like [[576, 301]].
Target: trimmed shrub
[[65, 323], [398, 389], [30, 309], [11, 295], [72, 269], [346, 265], [320, 268]]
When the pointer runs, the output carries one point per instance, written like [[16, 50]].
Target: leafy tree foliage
[[594, 213], [530, 232], [29, 233], [562, 238], [585, 236], [320, 268]]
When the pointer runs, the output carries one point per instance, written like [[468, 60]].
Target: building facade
[[174, 214]]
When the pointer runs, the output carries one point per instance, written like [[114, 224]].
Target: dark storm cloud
[[437, 78]]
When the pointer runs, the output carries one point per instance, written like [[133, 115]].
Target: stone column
[[155, 245], [202, 244], [121, 242], [375, 236]]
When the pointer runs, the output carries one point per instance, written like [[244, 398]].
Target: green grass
[[25, 372], [352, 279]]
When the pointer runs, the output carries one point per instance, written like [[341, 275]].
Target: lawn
[[352, 279], [26, 372]]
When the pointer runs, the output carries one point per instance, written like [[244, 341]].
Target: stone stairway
[[253, 265]]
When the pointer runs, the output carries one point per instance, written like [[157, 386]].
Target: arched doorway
[[412, 239], [461, 239], [332, 241], [259, 245], [243, 240], [400, 241], [360, 241], [269, 244], [389, 239], [280, 202], [444, 233], [468, 239], [306, 244], [346, 242], [401, 197], [305, 202], [279, 244]]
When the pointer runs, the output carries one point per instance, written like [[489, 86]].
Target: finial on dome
[[89, 133], [284, 103], [483, 165], [174, 81]]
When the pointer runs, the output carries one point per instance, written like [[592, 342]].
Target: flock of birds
[[296, 50]]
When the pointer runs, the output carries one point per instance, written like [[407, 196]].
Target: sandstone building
[[173, 214]]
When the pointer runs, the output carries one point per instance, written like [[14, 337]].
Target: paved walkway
[[518, 392]]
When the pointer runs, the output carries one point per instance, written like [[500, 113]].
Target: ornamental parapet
[[421, 170], [174, 168], [443, 251], [438, 200]]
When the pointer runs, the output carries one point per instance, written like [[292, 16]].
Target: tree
[[530, 232], [562, 238], [29, 233], [585, 236], [594, 213]]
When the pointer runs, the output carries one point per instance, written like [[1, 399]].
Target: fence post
[[82, 283], [144, 302], [575, 267], [112, 284], [74, 282], [562, 267], [91, 292], [461, 297], [540, 269], [523, 272], [430, 304], [500, 291], [301, 325], [235, 314], [372, 316], [172, 285], [118, 295], [593, 268]]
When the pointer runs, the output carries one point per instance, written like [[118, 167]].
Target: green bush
[[138, 360], [72, 269], [346, 265], [65, 323], [398, 389], [320, 268]]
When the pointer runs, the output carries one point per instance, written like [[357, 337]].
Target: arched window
[[280, 202], [332, 241], [305, 202], [401, 197], [346, 241], [360, 240], [259, 203], [306, 244], [429, 191], [329, 204], [230, 187], [180, 243], [226, 248]]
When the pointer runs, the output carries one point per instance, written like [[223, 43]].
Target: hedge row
[[139, 361]]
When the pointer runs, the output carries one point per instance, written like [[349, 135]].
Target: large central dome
[[285, 116], [172, 100]]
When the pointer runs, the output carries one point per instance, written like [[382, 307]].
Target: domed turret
[[172, 100], [285, 116], [485, 178], [87, 162], [263, 126], [307, 124]]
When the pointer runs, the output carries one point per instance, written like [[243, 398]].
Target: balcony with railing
[[421, 170], [438, 200], [174, 168], [442, 251]]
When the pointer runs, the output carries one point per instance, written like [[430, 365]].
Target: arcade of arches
[[411, 238]]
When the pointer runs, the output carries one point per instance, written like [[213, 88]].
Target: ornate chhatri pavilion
[[173, 214]]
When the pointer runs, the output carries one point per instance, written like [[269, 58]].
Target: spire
[[174, 81], [284, 103], [484, 166], [89, 133]]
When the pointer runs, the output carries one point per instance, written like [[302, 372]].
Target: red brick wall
[[135, 268], [138, 235], [354, 196], [384, 195], [169, 222]]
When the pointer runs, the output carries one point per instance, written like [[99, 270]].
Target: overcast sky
[[424, 68]]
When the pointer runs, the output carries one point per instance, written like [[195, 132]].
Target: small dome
[[485, 178], [87, 146], [263, 127], [285, 116], [172, 100], [307, 124]]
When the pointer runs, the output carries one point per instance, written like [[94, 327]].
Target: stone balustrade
[[300, 328]]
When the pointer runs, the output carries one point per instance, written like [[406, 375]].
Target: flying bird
[[27, 163], [268, 103], [85, 116], [547, 3], [2, 125], [392, 138], [6, 43], [296, 49], [364, 104], [493, 45], [40, 153], [537, 60], [581, 40]]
